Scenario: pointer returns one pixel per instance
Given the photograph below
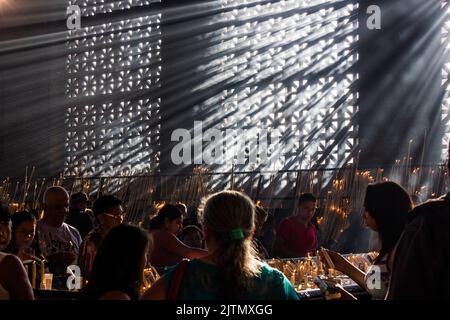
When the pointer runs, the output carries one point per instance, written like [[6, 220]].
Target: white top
[[4, 295], [55, 240]]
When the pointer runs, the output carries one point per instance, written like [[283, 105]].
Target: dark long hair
[[17, 219], [168, 211], [118, 265], [5, 217], [388, 203]]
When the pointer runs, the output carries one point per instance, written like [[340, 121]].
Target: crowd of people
[[220, 255]]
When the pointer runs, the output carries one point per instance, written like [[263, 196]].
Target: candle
[[328, 259], [145, 282], [300, 277], [155, 273], [319, 264], [331, 272], [33, 275], [305, 280], [42, 273]]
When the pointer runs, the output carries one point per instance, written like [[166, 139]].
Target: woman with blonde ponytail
[[232, 269]]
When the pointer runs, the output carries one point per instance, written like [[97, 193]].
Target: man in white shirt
[[59, 242]]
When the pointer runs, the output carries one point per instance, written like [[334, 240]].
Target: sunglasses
[[116, 217]]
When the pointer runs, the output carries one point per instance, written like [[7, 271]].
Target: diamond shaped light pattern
[[113, 72], [446, 80], [288, 67]]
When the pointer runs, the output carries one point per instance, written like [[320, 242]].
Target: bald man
[[59, 241]]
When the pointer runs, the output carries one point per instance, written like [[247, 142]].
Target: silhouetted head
[[306, 207], [386, 208], [108, 212], [79, 201], [56, 206], [119, 263], [169, 218], [5, 227]]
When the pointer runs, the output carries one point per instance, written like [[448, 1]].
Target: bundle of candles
[[150, 277], [302, 271], [31, 269], [340, 190]]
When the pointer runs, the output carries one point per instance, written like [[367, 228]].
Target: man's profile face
[[306, 210], [112, 218], [56, 208]]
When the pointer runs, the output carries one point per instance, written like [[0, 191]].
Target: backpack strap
[[177, 278]]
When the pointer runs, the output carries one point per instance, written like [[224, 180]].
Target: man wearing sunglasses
[[108, 213]]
